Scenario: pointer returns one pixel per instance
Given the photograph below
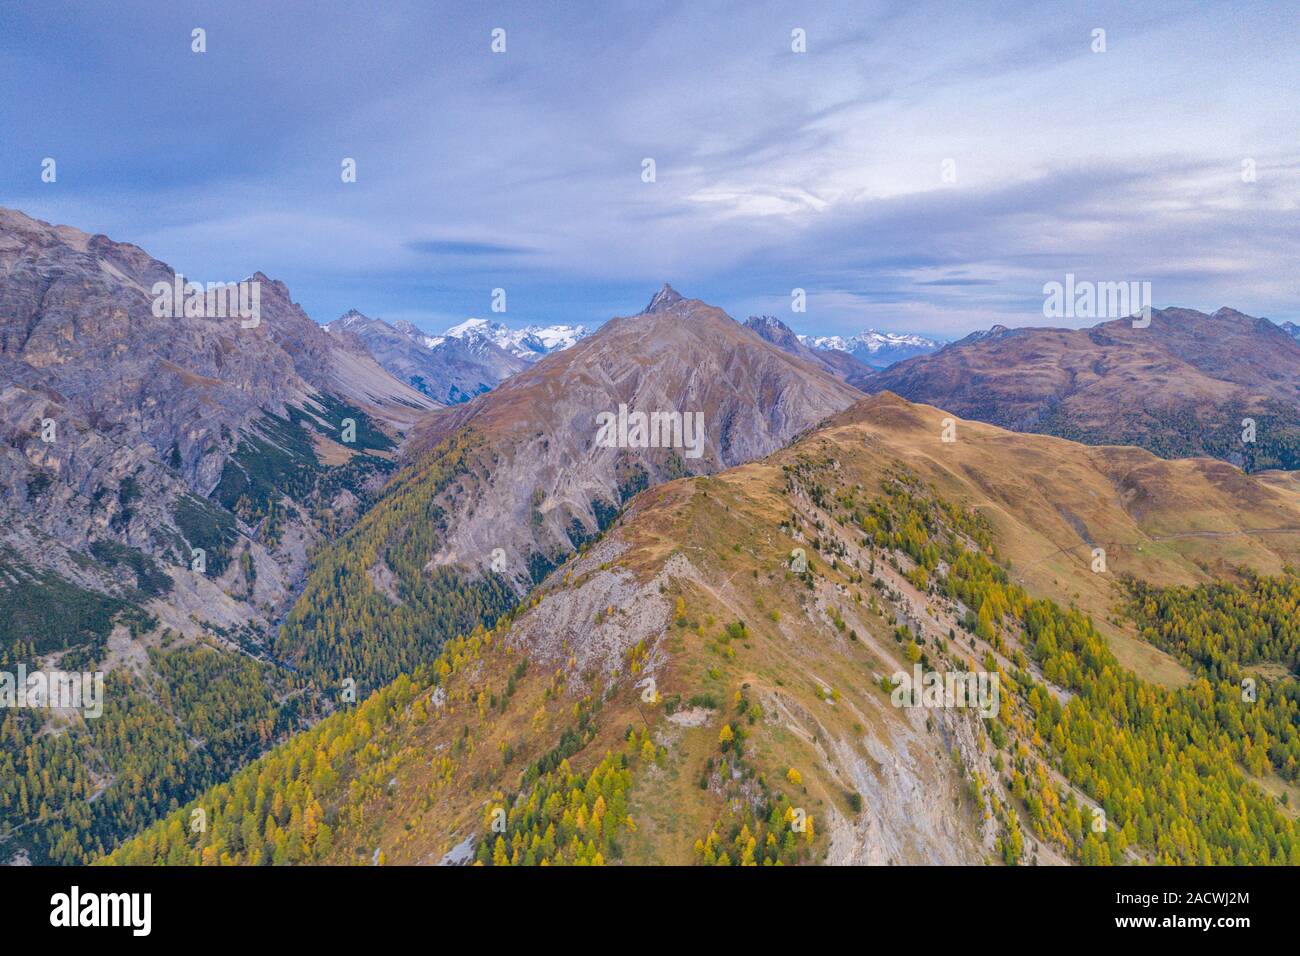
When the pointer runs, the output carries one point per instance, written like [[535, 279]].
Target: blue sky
[[774, 169]]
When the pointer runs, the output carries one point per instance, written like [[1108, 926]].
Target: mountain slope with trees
[[165, 476], [712, 682]]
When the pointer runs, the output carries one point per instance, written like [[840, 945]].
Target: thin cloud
[[454, 247]]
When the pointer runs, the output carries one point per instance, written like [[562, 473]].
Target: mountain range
[[876, 349], [685, 691], [164, 434], [167, 474], [466, 360], [647, 594], [449, 369], [529, 343], [505, 488]]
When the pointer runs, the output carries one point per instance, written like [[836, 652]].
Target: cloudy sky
[[774, 169]]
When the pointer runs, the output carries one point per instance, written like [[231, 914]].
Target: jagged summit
[[538, 432], [773, 330], [663, 300], [348, 319]]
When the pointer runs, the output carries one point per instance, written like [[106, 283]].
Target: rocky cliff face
[[167, 468], [127, 422]]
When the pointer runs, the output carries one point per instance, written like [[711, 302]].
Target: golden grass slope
[[1052, 502]]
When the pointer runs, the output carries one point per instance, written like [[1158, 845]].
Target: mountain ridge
[[609, 368], [504, 487], [840, 363], [1182, 386]]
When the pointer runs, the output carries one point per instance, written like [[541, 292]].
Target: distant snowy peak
[[448, 368], [871, 340], [558, 336], [478, 336], [878, 349], [529, 343]]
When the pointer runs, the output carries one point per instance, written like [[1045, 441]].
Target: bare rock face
[[128, 423], [559, 447]]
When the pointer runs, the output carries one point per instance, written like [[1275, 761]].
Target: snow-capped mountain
[[877, 349], [529, 343], [556, 337], [464, 361], [449, 369]]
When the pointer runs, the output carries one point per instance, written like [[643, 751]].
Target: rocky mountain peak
[[663, 300], [350, 317], [981, 335], [1227, 312], [773, 330], [552, 478]]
